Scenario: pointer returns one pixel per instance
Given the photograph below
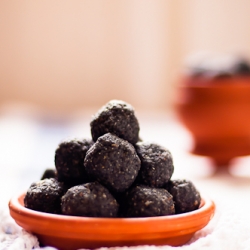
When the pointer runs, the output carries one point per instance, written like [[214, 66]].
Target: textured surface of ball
[[113, 162], [69, 161], [156, 164], [117, 117], [89, 199], [142, 201], [185, 195], [45, 196]]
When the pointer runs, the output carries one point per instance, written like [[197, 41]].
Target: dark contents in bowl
[[156, 164], [113, 175], [113, 162], [69, 158], [185, 195], [116, 117], [45, 196], [144, 201], [222, 66], [90, 199]]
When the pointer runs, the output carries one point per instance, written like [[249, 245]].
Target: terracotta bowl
[[72, 232], [216, 112]]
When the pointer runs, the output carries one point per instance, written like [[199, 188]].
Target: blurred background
[[60, 58], [65, 56]]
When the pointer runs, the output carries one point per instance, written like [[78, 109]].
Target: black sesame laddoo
[[91, 200], [156, 164], [45, 196], [113, 162], [143, 201], [116, 117], [185, 195], [69, 161], [49, 173]]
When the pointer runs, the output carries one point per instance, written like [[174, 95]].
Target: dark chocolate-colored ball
[[49, 173], [69, 161], [45, 196], [185, 195], [117, 117], [89, 199], [143, 201], [113, 162], [156, 164]]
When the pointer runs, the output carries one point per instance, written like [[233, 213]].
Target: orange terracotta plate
[[72, 232]]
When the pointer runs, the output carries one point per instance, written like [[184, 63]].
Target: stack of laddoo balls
[[114, 174]]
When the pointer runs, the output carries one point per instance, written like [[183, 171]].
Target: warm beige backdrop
[[68, 55]]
